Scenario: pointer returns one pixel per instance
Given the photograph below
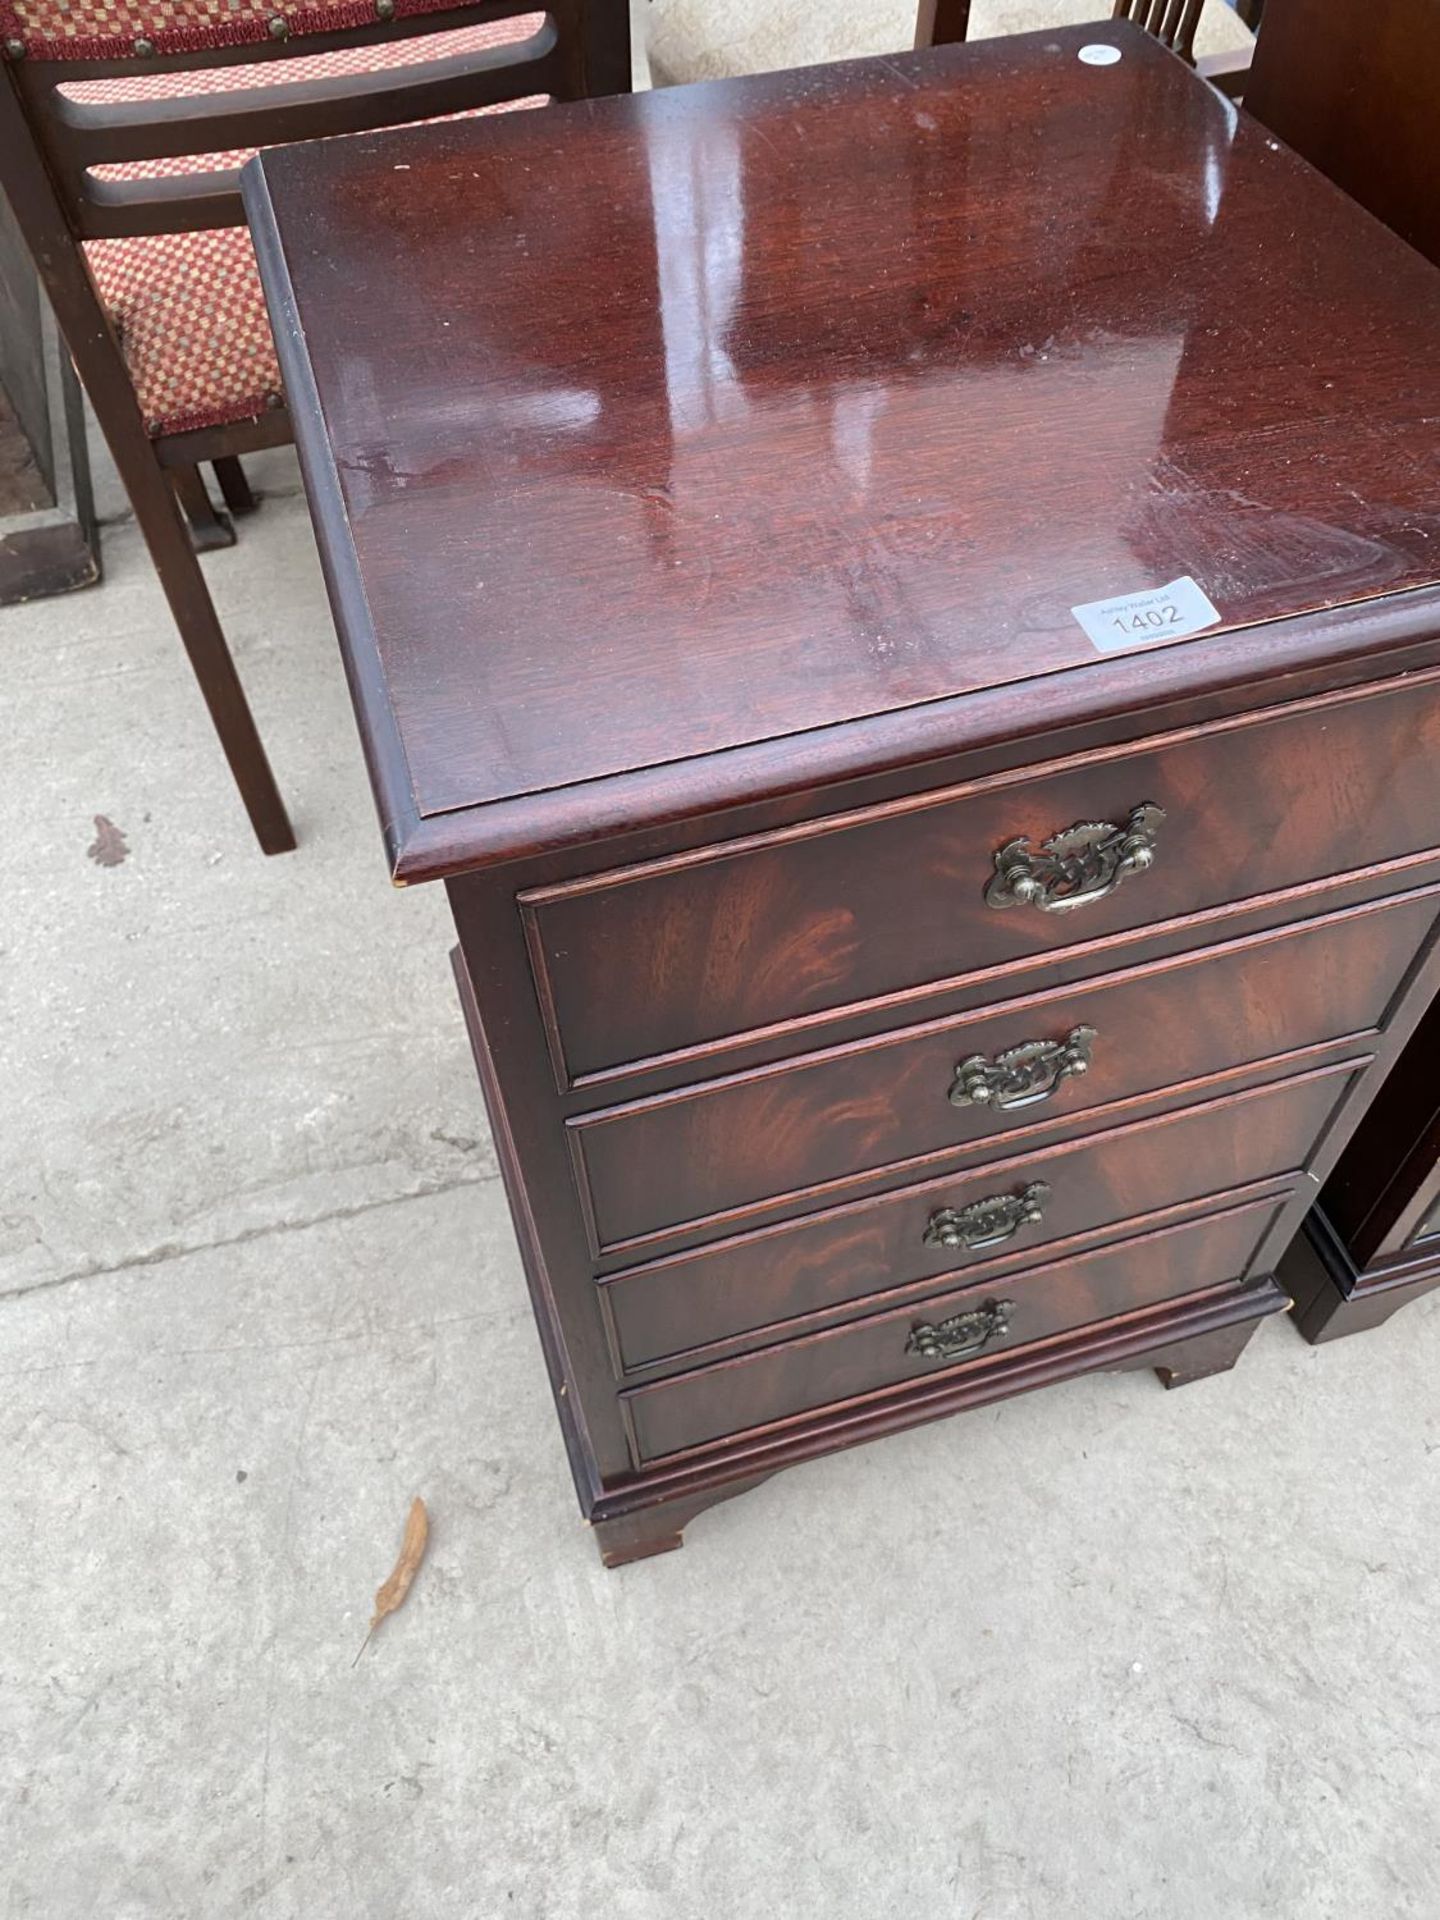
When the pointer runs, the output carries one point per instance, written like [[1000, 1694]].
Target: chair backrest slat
[[116, 149], [183, 198], [1173, 22]]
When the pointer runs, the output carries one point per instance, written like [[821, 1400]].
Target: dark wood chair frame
[[1173, 22], [48, 144], [940, 23]]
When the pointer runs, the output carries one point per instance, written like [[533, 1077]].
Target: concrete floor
[[1100, 1654]]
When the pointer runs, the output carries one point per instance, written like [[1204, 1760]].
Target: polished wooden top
[[659, 428]]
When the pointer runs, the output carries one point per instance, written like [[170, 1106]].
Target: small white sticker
[[1097, 54], [1147, 619]]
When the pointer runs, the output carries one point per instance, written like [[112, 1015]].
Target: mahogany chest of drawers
[[892, 987]]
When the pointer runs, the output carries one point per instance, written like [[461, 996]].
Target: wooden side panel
[[1353, 88]]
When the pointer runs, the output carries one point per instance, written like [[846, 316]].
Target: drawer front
[[942, 1334], [656, 959], [683, 1158], [825, 1261]]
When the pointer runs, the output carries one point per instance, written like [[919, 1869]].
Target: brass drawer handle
[[1022, 1076], [1073, 868], [988, 1222], [963, 1334]]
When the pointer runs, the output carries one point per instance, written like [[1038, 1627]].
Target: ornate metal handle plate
[[963, 1334], [988, 1222], [1022, 1076], [1082, 864]]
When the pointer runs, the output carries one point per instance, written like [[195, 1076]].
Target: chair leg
[[208, 529], [167, 535], [940, 23], [234, 486]]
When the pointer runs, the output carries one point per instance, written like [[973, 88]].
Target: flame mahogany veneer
[[886, 999]]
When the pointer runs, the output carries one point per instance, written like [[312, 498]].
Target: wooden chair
[[123, 125], [1174, 22], [940, 22]]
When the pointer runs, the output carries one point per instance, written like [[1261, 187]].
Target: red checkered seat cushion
[[192, 326], [188, 306]]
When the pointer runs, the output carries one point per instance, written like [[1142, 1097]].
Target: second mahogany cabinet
[[1352, 85], [1372, 1242]]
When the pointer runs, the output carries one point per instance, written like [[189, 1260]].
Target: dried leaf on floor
[[390, 1595]]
